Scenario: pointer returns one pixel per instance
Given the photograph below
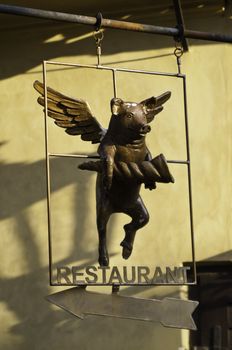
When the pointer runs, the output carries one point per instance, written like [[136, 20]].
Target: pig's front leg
[[148, 156], [151, 185], [107, 153]]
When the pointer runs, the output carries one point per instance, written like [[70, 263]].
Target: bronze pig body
[[123, 142], [125, 161]]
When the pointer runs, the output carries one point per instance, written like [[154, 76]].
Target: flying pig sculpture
[[125, 161]]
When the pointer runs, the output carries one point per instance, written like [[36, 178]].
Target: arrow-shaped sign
[[170, 312]]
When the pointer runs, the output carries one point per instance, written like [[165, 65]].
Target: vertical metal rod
[[180, 23], [114, 82], [47, 173], [178, 59], [189, 179], [98, 55]]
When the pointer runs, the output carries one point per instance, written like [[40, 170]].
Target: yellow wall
[[29, 322]]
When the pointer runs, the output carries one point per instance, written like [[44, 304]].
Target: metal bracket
[[228, 8], [115, 288], [98, 23], [180, 25]]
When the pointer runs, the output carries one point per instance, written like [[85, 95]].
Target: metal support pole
[[180, 24], [110, 23], [48, 182], [228, 8]]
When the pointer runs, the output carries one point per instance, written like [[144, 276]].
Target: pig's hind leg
[[140, 218], [104, 211], [102, 220]]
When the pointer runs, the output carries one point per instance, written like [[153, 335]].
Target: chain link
[[178, 52], [98, 36]]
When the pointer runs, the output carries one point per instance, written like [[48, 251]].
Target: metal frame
[[110, 23], [114, 70]]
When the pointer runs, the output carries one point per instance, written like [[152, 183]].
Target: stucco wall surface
[[27, 320]]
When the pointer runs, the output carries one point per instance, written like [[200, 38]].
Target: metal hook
[[98, 36], [178, 52]]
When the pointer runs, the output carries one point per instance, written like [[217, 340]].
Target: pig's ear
[[153, 105], [116, 106]]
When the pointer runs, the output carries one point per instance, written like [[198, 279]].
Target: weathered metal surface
[[74, 115], [124, 275], [110, 23], [193, 34], [154, 170], [123, 144], [170, 312]]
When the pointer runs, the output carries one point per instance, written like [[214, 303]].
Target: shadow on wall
[[22, 185], [41, 40], [39, 325], [33, 46]]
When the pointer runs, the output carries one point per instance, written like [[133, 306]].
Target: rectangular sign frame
[[49, 155]]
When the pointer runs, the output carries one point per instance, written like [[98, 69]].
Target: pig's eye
[[130, 115]]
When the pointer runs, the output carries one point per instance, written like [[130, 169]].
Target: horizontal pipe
[[219, 37], [110, 23], [57, 16]]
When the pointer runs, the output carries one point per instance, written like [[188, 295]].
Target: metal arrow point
[[170, 312]]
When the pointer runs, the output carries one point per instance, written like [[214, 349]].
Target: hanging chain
[[98, 36], [178, 52]]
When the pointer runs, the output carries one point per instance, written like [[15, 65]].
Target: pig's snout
[[145, 129]]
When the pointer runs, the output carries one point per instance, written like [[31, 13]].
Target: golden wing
[[153, 105], [72, 114]]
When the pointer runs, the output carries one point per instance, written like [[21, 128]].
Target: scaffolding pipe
[[110, 23]]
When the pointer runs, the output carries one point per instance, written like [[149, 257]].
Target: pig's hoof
[[127, 249], [103, 261]]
